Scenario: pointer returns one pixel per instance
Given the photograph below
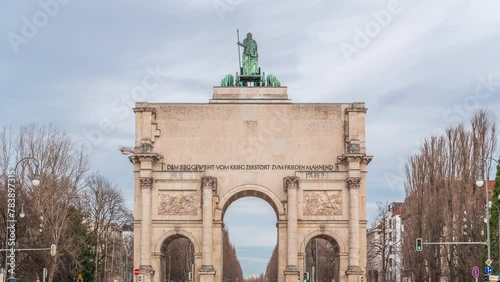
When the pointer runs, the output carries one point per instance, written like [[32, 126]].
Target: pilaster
[[353, 184], [208, 187], [146, 268], [291, 185]]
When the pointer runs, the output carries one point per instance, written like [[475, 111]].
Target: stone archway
[[176, 258], [337, 257], [308, 161], [242, 191], [249, 190]]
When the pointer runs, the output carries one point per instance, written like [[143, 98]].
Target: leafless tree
[[49, 205], [322, 259], [442, 202], [231, 265], [127, 254], [272, 266], [106, 214]]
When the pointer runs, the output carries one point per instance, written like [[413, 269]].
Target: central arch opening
[[322, 259], [251, 225], [177, 259]]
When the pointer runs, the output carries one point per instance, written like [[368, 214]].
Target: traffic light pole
[[486, 276], [454, 243], [419, 243], [20, 250]]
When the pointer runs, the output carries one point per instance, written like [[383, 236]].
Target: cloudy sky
[[419, 66]]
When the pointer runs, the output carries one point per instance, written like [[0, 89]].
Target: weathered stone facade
[[308, 161]]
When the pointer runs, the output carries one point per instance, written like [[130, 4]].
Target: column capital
[[290, 182], [354, 270], [138, 157], [207, 269], [353, 182], [209, 182], [146, 182]]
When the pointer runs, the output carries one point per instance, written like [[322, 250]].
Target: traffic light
[[486, 277], [306, 276], [418, 245], [53, 249]]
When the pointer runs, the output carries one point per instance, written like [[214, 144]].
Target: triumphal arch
[[308, 161]]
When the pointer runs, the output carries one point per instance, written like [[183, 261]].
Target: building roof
[[399, 211]]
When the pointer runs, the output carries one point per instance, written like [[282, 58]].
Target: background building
[[384, 241]]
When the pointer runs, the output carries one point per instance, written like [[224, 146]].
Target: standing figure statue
[[250, 56]]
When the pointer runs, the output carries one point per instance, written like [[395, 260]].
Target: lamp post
[[479, 183], [10, 235]]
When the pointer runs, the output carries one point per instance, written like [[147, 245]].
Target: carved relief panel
[[322, 203], [177, 204]]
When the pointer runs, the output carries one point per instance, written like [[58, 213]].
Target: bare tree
[[127, 254], [49, 205], [231, 265], [322, 259], [106, 214], [442, 202], [272, 266]]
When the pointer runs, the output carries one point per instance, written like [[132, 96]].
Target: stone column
[[353, 184], [291, 185], [146, 186], [207, 271]]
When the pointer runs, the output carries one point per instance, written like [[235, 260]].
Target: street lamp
[[10, 235], [480, 182], [22, 214]]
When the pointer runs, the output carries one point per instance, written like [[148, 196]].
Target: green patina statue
[[227, 81], [250, 75], [250, 56], [272, 81]]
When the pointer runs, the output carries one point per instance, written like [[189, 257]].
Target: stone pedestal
[[207, 273], [147, 272], [267, 95], [292, 273], [354, 273]]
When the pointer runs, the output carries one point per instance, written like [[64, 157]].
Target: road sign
[[488, 262], [488, 269], [137, 271], [475, 272]]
